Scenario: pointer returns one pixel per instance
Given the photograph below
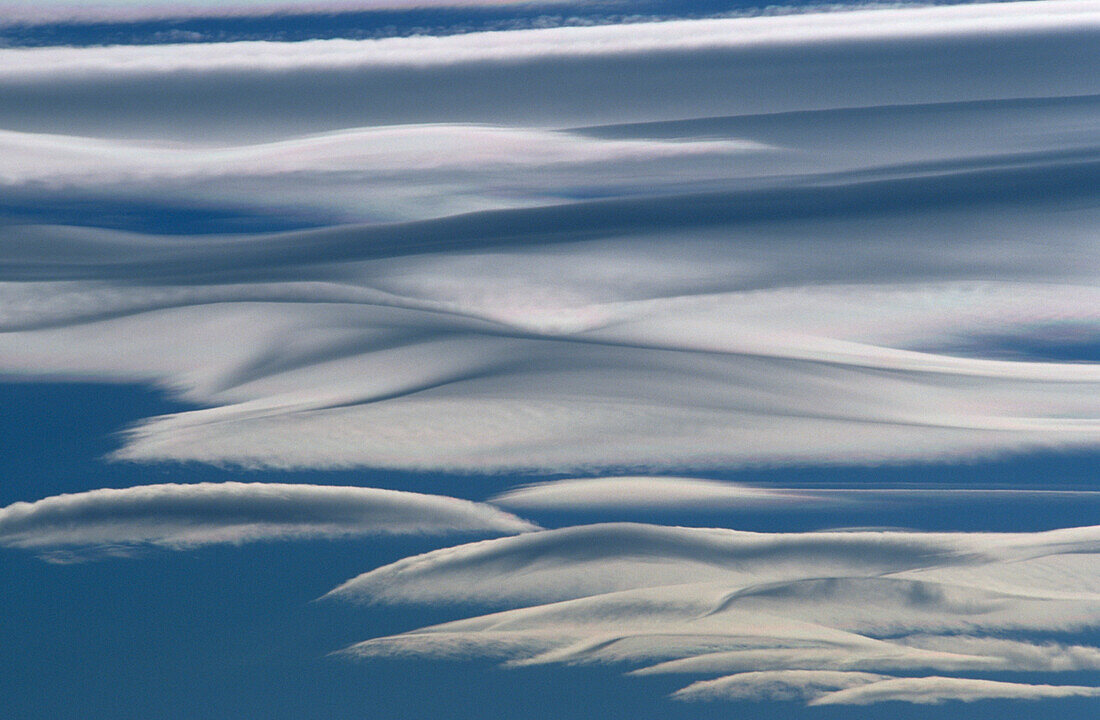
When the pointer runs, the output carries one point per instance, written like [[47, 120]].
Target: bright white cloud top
[[181, 516]]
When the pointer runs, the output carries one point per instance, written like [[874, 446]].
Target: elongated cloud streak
[[638, 492], [394, 173], [672, 493], [593, 559], [776, 685], [183, 516], [559, 76], [932, 690]]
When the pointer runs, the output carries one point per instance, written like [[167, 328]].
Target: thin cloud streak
[[934, 690], [641, 493], [600, 494]]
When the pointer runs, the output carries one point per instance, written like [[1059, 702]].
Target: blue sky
[[676, 360]]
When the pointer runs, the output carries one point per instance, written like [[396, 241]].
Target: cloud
[[408, 349], [558, 76], [776, 616], [600, 494], [779, 567], [640, 493], [793, 270], [518, 45], [775, 685], [379, 173], [934, 690], [183, 516], [822, 687]]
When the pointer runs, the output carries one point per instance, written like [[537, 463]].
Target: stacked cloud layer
[[826, 238], [762, 267], [831, 618]]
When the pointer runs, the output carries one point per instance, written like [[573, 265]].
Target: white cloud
[[680, 493], [777, 616], [377, 360], [560, 76], [183, 516], [766, 569], [775, 685], [635, 38], [641, 492], [821, 286], [933, 690]]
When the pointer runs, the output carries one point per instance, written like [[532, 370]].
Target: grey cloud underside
[[720, 287], [108, 521], [900, 615]]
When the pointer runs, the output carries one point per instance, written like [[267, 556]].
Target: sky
[[687, 359]]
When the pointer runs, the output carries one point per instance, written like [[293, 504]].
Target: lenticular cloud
[[829, 618], [767, 274], [182, 516], [624, 250]]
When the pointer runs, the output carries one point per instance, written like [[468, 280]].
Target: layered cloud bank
[[819, 238], [656, 493], [558, 77], [110, 521], [830, 618]]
